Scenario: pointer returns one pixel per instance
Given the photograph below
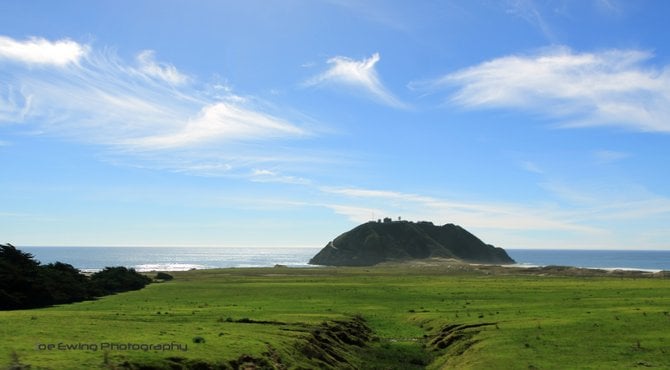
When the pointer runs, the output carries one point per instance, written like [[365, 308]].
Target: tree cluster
[[26, 283]]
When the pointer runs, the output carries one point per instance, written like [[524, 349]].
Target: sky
[[531, 123]]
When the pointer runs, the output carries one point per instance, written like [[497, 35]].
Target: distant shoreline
[[449, 266], [146, 259], [525, 265]]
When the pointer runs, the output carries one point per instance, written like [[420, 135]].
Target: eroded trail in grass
[[375, 318]]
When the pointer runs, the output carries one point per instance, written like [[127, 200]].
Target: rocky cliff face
[[376, 242]]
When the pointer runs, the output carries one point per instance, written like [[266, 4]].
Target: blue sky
[[533, 124]]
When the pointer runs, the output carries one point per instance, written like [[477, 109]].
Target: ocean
[[186, 258], [171, 258], [649, 260]]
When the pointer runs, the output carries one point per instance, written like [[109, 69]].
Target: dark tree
[[20, 283], [65, 283], [25, 283], [117, 279], [164, 276]]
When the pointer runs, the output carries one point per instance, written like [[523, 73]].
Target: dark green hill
[[375, 242]]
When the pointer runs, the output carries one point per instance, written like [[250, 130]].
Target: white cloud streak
[[357, 214], [609, 156], [149, 110], [38, 51], [529, 12], [609, 7], [264, 175], [470, 214], [531, 167], [606, 88], [163, 71], [588, 221], [360, 75], [221, 121]]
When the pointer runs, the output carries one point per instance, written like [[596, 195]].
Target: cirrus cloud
[[598, 220], [221, 121], [360, 75], [164, 71], [39, 51], [473, 214], [147, 111], [606, 88]]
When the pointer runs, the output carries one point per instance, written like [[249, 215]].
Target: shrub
[[117, 279], [25, 283], [21, 283], [164, 276], [65, 283]]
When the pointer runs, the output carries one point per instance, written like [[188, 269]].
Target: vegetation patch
[[453, 340], [164, 276], [428, 316], [26, 283], [329, 343]]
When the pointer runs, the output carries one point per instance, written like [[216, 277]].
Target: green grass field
[[420, 318]]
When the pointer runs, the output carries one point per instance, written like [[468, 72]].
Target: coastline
[[450, 265], [172, 259], [610, 269]]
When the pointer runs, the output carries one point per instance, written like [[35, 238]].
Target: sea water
[[186, 258], [171, 258], [649, 260]]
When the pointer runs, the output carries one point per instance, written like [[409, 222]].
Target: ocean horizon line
[[169, 246], [184, 258], [643, 249]]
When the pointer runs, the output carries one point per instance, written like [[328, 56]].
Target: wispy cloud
[[360, 75], [531, 167], [163, 71], [529, 12], [470, 214], [582, 219], [606, 88], [623, 202], [568, 194], [264, 175], [357, 214], [377, 12], [38, 51], [145, 109], [609, 156], [609, 6], [221, 121]]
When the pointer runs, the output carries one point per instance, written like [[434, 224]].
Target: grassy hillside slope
[[430, 317]]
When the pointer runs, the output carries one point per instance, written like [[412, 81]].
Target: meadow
[[387, 317]]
